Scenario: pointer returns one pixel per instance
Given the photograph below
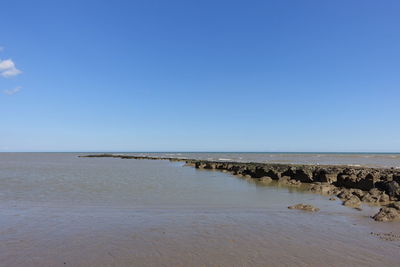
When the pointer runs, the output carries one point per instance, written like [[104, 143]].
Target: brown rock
[[265, 179], [395, 205], [353, 201], [325, 189], [285, 180], [304, 207], [384, 198], [294, 183], [358, 192], [387, 214], [360, 179], [345, 194], [326, 175], [370, 199]]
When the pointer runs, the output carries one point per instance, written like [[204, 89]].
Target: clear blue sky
[[200, 75]]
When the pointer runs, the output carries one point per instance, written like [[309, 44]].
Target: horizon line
[[275, 152]]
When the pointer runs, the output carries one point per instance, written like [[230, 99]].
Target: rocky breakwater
[[352, 185]]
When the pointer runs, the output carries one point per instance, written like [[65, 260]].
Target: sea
[[58, 209]]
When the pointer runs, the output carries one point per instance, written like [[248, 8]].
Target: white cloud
[[12, 91], [8, 69]]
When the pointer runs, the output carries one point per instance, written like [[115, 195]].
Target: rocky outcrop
[[304, 207], [265, 179], [324, 189], [375, 196], [364, 179], [329, 180], [391, 188], [353, 202], [389, 213]]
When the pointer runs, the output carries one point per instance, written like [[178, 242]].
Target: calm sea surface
[[58, 209]]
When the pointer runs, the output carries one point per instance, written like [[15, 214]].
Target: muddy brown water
[[61, 210]]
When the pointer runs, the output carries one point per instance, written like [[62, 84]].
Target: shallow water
[[59, 210]]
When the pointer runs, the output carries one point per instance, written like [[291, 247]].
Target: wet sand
[[58, 210], [96, 236]]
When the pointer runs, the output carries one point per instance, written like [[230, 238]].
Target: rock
[[285, 180], [274, 174], [374, 192], [344, 194], [325, 189], [396, 177], [387, 214], [250, 170], [315, 187], [199, 165], [368, 198], [353, 201], [326, 175], [360, 179], [303, 174], [294, 183], [395, 205], [392, 189], [265, 179], [335, 190], [191, 164], [304, 207], [384, 198], [262, 171], [358, 192], [332, 199], [375, 196], [211, 165]]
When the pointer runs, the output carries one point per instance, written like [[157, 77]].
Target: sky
[[273, 76]]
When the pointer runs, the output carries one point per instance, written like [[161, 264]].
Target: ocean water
[[379, 160], [61, 210]]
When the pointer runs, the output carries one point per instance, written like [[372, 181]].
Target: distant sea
[[352, 159]]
